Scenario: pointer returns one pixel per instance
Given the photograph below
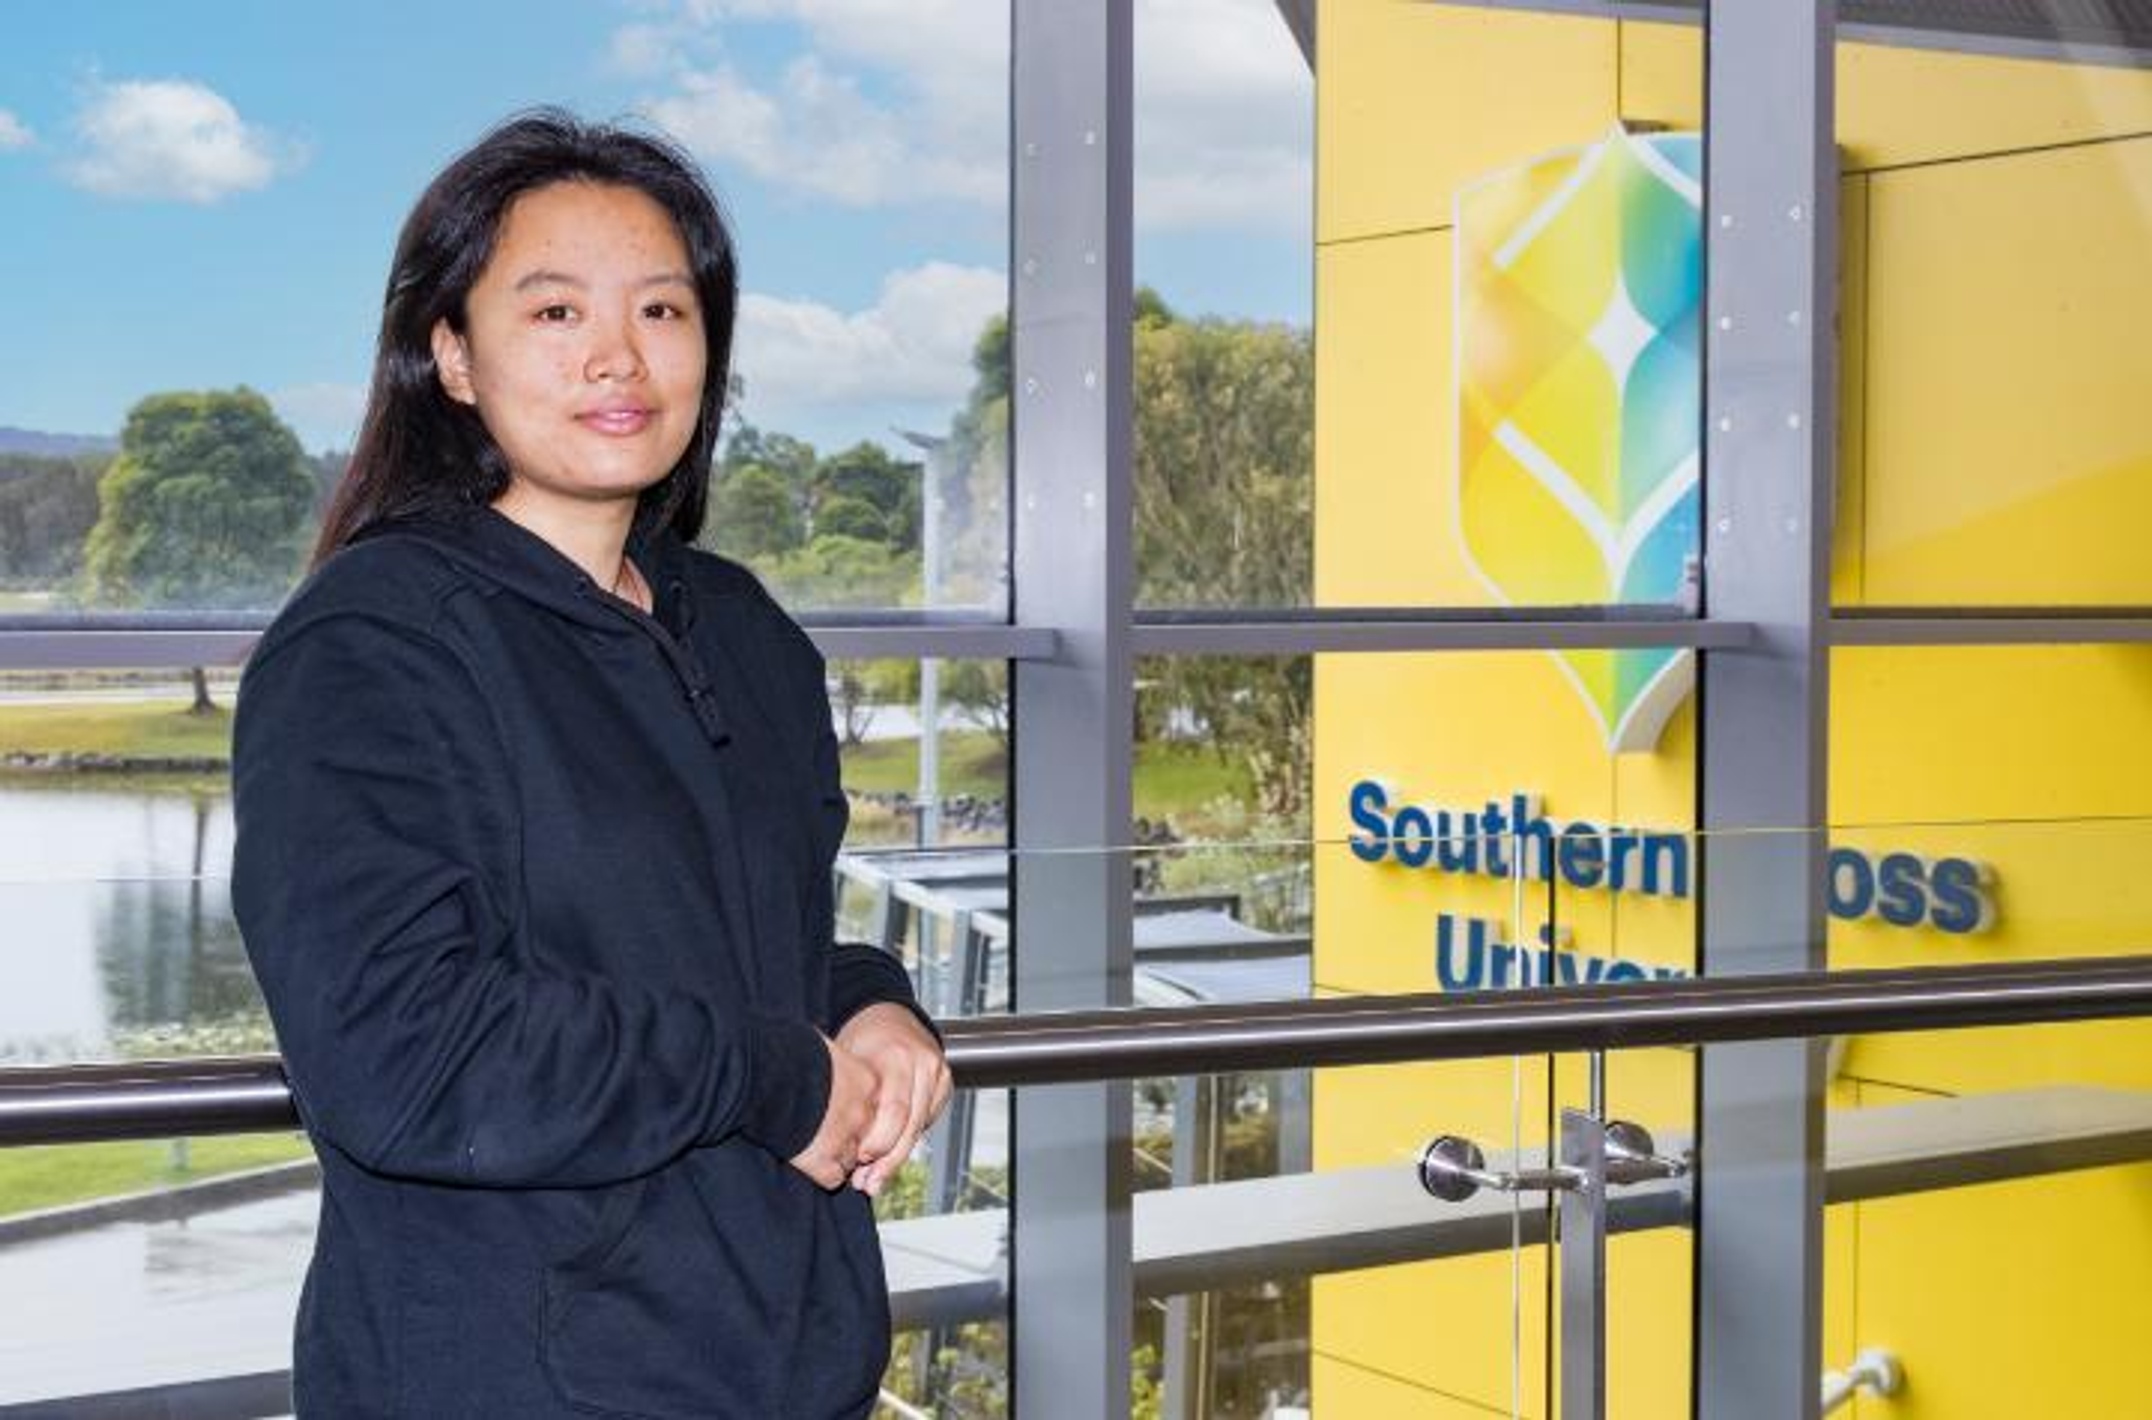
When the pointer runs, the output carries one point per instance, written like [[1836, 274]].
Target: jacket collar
[[499, 551]]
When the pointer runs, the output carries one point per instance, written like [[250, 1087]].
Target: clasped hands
[[888, 1083]]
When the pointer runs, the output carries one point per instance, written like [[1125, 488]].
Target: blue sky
[[203, 195]]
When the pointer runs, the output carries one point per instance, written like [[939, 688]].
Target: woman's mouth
[[627, 419]]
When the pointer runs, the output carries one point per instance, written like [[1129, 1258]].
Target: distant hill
[[34, 441]]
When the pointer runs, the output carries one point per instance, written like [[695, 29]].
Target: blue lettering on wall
[[1470, 955], [1896, 888]]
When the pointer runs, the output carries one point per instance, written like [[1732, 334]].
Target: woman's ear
[[452, 362]]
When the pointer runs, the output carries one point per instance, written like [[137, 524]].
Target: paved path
[[124, 1305]]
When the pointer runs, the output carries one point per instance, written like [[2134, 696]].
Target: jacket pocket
[[670, 1321], [616, 1214]]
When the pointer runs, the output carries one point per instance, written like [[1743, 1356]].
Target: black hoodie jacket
[[538, 889]]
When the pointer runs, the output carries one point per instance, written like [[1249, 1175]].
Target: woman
[[536, 814]]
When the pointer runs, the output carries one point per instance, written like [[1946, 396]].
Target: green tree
[[205, 507], [846, 516], [792, 460], [1223, 517], [837, 571], [47, 508], [868, 473], [980, 692], [755, 513], [1223, 511]]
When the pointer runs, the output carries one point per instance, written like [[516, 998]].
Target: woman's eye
[[664, 310], [554, 313]]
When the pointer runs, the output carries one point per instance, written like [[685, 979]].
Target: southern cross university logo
[[1579, 281]]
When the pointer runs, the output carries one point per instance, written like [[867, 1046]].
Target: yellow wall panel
[[1448, 1327], [1849, 521], [1382, 1116], [1960, 734], [1899, 105], [1344, 1389], [1662, 75], [1648, 1312], [2009, 440], [2010, 1301], [1386, 428], [2028, 759], [1496, 86]]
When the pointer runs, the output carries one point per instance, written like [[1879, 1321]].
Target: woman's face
[[583, 347]]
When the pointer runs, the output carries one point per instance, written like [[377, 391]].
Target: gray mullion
[[997, 643], [2031, 629], [1282, 638], [1070, 309], [139, 649], [2075, 48], [1770, 382]]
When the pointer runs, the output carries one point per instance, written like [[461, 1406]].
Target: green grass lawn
[[149, 728], [46, 1175], [1172, 780]]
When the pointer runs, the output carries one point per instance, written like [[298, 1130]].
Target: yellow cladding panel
[[1648, 1313], [1381, 1116], [1444, 1327], [1354, 1392], [1849, 523], [1413, 99], [2009, 438], [2017, 1301], [1386, 428], [1898, 105], [2030, 760], [1662, 75], [1963, 734]]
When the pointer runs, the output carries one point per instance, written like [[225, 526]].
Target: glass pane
[[183, 462], [1508, 283], [155, 1265], [172, 1268], [1224, 362], [115, 851], [1996, 451], [116, 832]]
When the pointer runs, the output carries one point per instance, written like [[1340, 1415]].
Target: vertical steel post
[[1770, 411], [1070, 414], [1584, 1267]]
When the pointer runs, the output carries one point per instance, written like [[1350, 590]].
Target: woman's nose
[[614, 353]]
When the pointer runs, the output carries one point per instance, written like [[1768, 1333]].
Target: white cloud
[[886, 103], [1224, 118], [640, 49], [912, 345], [324, 415], [1224, 105], [14, 133], [171, 139], [817, 133]]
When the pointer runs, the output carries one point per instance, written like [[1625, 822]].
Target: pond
[[119, 939]]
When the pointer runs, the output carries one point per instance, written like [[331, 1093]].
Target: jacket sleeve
[[375, 879]]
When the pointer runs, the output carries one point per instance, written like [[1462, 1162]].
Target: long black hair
[[420, 452]]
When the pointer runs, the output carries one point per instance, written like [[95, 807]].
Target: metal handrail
[[165, 1098]]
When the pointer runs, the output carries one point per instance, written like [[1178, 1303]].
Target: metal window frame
[[1073, 634]]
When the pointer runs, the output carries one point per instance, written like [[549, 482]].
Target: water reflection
[[120, 937]]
